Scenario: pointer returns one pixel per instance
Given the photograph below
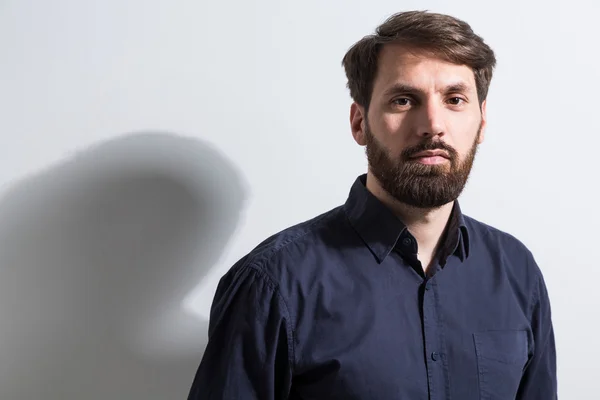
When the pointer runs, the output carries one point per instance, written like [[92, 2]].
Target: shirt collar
[[380, 229]]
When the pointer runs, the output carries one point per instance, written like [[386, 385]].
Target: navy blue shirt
[[338, 307]]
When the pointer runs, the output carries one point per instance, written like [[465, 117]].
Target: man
[[395, 294]]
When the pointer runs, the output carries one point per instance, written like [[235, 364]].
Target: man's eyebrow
[[403, 88], [458, 87]]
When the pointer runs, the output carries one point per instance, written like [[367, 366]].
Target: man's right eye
[[401, 101]]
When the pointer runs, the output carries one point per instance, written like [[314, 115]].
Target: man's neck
[[426, 225]]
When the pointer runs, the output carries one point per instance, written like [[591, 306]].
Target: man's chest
[[423, 341]]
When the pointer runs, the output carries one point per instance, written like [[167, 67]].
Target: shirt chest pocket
[[501, 358]]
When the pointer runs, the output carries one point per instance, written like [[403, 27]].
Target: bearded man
[[395, 294]]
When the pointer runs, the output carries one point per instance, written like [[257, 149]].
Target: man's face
[[422, 128]]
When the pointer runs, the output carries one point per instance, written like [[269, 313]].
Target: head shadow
[[97, 254]]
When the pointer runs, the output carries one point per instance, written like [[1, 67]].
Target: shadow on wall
[[96, 256]]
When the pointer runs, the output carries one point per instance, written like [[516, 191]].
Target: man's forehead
[[399, 64]]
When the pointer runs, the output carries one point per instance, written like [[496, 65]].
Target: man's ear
[[483, 121], [357, 123]]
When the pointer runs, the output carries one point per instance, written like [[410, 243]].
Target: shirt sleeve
[[249, 350], [539, 380]]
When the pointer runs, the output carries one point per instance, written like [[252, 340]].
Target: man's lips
[[431, 157], [431, 153]]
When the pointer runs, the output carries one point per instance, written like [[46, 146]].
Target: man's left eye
[[456, 100]]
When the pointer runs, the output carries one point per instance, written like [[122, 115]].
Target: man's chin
[[427, 170], [427, 193]]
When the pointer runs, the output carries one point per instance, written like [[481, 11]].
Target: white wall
[[147, 145]]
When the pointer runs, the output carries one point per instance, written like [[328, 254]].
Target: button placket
[[431, 332]]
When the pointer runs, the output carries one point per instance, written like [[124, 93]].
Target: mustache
[[409, 152]]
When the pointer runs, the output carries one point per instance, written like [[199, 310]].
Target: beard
[[415, 184]]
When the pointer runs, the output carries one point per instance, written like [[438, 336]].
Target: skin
[[442, 107]]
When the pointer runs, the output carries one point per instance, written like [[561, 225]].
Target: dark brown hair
[[442, 35]]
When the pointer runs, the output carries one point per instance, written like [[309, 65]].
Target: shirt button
[[435, 355], [407, 241]]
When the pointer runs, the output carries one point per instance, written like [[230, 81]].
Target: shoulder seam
[[265, 258], [535, 293], [261, 260], [273, 285]]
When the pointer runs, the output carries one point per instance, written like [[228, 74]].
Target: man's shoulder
[[293, 243], [501, 244], [493, 234]]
